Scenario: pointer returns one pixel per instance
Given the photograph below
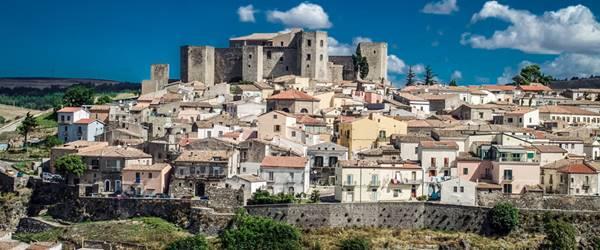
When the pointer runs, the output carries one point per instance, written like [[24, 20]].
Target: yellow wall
[[364, 132]]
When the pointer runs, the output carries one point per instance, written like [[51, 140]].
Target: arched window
[[291, 190], [107, 186], [285, 110], [304, 110]]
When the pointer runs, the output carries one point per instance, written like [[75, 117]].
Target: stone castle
[[261, 56]]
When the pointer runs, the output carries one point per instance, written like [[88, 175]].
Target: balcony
[[374, 183], [349, 183]]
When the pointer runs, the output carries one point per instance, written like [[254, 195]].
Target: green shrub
[[422, 198], [197, 242], [315, 196], [264, 197], [355, 243], [70, 164], [504, 217], [255, 232], [560, 235]]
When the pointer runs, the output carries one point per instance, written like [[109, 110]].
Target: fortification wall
[[283, 61], [228, 65], [541, 201]]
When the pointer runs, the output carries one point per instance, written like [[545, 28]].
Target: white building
[[523, 117], [438, 160], [285, 174], [418, 105], [74, 124], [374, 181], [459, 192]]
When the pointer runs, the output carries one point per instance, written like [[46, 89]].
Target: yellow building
[[362, 133]]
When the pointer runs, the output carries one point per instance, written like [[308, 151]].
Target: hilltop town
[[275, 125]]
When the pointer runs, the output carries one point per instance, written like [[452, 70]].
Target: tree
[[78, 95], [103, 100], [560, 235], [27, 125], [453, 83], [504, 217], [70, 164], [197, 242], [264, 197], [52, 141], [429, 76], [410, 77], [531, 74], [315, 196], [355, 243], [257, 232], [2, 120], [360, 63]]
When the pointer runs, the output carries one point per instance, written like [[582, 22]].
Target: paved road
[[12, 126]]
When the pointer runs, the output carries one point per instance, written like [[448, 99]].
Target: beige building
[[374, 181], [293, 101], [569, 114], [360, 134], [146, 179], [73, 148], [275, 124]]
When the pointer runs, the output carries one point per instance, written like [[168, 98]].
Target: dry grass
[[12, 112], [384, 238]]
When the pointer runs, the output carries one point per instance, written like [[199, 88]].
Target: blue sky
[[472, 41]]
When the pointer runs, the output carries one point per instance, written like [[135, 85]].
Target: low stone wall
[[417, 215], [541, 201], [33, 225]]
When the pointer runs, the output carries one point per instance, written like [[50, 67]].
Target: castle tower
[[376, 54], [160, 72], [312, 55], [252, 63], [198, 64]]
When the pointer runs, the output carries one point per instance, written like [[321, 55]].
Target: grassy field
[[153, 233], [384, 238], [12, 112]]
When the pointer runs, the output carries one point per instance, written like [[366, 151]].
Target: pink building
[[368, 96], [146, 179]]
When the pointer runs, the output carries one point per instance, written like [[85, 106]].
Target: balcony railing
[[349, 183], [374, 183]]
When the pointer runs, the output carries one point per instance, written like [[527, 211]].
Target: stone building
[[260, 56], [194, 170]]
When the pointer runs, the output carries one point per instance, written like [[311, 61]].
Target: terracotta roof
[[439, 145], [293, 94], [549, 149], [116, 151], [534, 88], [283, 162], [496, 87], [68, 109], [410, 97], [569, 110], [519, 111], [486, 185], [307, 120], [203, 155], [85, 121], [153, 167], [577, 168]]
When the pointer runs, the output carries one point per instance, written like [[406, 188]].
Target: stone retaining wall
[[540, 201]]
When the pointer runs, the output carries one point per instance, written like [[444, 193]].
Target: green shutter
[[530, 155]]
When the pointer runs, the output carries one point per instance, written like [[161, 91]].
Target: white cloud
[[573, 29], [246, 13], [418, 68], [571, 64], [443, 7], [482, 80], [508, 73], [336, 48], [395, 65], [305, 15], [456, 75]]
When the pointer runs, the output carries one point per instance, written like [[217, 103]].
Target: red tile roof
[[577, 168], [439, 145], [569, 110], [85, 121], [293, 94], [307, 120], [68, 109], [534, 88], [283, 162]]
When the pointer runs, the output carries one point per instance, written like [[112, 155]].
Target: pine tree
[[27, 125], [429, 76], [360, 63], [410, 77], [453, 83]]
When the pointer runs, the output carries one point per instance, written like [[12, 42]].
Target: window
[[455, 189], [396, 193], [319, 161], [416, 150], [413, 175], [293, 133], [281, 59], [274, 116], [462, 189], [209, 134], [277, 128], [308, 57], [520, 120], [181, 171], [507, 188], [291, 176], [349, 179], [433, 161], [465, 171], [250, 56], [509, 120], [286, 68], [480, 115], [308, 42], [281, 43], [587, 180], [321, 57], [508, 175], [149, 175], [446, 162], [332, 161], [268, 54], [321, 43], [62, 118], [270, 176], [138, 178], [382, 134]]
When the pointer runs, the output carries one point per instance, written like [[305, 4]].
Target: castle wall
[[252, 70], [348, 72], [228, 65], [336, 72], [160, 72], [198, 64], [312, 55], [282, 61], [376, 54]]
